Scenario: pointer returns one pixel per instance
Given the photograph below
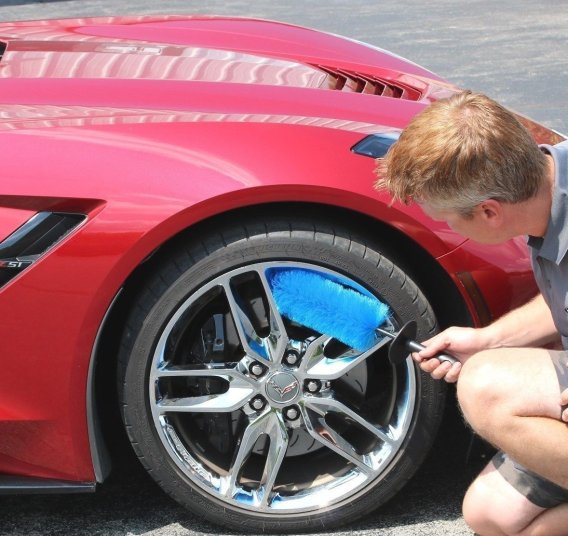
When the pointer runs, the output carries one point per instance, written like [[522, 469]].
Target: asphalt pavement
[[516, 51], [129, 503]]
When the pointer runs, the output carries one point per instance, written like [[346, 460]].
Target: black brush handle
[[403, 343], [414, 346]]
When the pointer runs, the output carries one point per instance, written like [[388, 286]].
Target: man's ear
[[491, 211]]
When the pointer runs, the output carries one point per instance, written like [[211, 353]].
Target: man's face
[[484, 225]]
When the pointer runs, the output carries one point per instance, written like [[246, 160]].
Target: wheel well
[[437, 286]]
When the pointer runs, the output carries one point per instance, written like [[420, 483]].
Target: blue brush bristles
[[328, 307]]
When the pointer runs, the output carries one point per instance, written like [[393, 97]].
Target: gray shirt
[[548, 253]]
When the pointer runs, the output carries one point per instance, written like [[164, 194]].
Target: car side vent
[[26, 245], [2, 49], [376, 145], [343, 80]]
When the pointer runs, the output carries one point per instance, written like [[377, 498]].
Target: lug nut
[[257, 403], [256, 369], [313, 386], [291, 358], [291, 413]]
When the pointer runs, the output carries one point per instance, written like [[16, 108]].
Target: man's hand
[[460, 342], [564, 402], [528, 325]]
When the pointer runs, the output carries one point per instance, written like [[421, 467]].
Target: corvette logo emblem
[[283, 390], [282, 387]]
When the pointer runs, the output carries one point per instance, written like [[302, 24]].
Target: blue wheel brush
[[326, 306]]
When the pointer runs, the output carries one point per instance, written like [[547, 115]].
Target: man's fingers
[[426, 364], [446, 371], [439, 373], [432, 347], [564, 402], [453, 374]]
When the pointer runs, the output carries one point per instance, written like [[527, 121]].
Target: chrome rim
[[266, 415]]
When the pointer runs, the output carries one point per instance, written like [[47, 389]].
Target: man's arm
[[528, 325]]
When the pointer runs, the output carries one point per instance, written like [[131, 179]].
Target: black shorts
[[535, 488]]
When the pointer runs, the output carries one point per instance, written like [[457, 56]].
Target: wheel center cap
[[281, 387]]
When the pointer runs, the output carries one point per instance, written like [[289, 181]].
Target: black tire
[[190, 453]]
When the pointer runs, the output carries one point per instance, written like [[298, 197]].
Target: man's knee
[[476, 509], [492, 507], [496, 385], [482, 516], [480, 393]]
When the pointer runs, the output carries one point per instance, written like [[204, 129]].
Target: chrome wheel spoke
[[212, 370], [327, 404], [252, 344], [235, 398], [314, 354], [240, 389], [331, 368], [277, 338], [320, 430], [269, 348], [271, 425]]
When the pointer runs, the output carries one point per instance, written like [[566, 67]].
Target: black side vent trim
[[29, 242], [2, 48]]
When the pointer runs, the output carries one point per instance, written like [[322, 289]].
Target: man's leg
[[511, 397], [493, 507]]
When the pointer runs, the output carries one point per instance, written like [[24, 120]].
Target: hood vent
[[343, 80]]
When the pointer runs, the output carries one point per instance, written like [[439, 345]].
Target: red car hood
[[208, 49]]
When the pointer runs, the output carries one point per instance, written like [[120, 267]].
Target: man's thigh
[[526, 381]]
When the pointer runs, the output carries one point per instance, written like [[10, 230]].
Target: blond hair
[[461, 151]]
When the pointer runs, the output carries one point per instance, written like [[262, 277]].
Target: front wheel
[[252, 420]]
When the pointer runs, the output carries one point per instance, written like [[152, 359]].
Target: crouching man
[[467, 161]]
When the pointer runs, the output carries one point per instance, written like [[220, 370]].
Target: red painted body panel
[[149, 126], [257, 37]]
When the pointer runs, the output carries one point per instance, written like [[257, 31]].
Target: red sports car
[[155, 172]]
